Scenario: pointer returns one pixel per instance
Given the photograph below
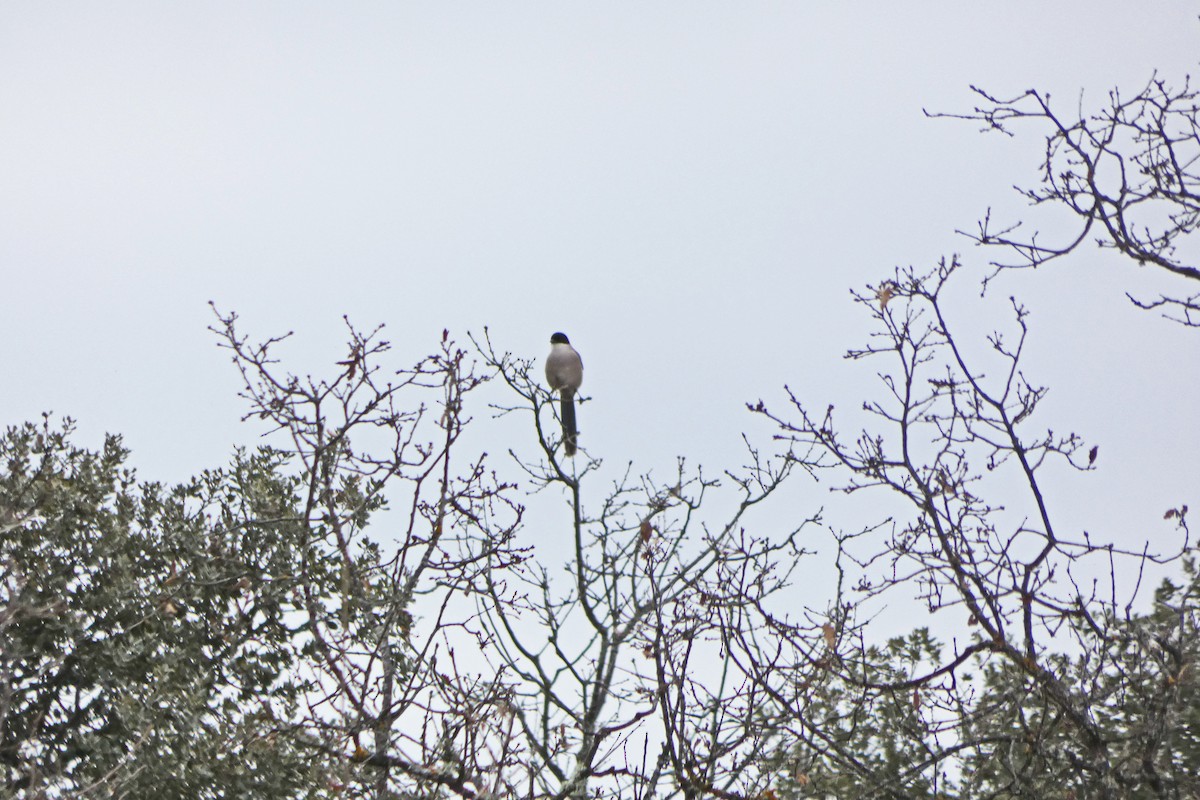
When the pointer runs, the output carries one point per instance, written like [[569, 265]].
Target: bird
[[564, 374]]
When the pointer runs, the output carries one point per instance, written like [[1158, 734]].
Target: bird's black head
[[559, 338]]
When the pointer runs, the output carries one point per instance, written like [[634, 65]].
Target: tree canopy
[[352, 611]]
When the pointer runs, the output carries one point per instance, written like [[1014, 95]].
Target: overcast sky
[[689, 190]]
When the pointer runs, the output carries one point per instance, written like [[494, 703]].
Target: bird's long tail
[[570, 434]]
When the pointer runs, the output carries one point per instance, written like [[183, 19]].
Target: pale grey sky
[[688, 189]]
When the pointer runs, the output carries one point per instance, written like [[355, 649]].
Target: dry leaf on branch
[[885, 293], [830, 635]]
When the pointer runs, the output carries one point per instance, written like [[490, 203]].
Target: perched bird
[[564, 373]]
